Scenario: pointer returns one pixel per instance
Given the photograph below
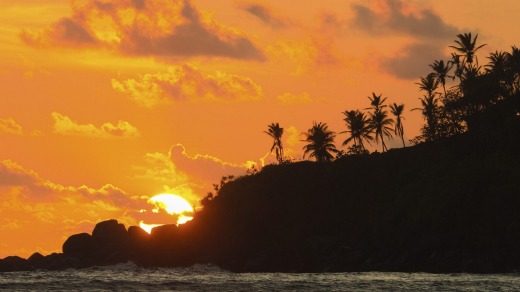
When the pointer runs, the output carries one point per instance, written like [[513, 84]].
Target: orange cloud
[[397, 17], [161, 28], [190, 176], [10, 126], [65, 126], [186, 82], [205, 168], [291, 99], [33, 207], [266, 15], [313, 54]]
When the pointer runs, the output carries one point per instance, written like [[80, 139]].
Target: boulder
[[164, 233], [36, 260], [81, 246], [112, 241], [14, 263]]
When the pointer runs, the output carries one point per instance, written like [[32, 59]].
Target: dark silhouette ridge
[[447, 204]]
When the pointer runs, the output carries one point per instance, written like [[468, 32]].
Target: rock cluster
[[110, 243]]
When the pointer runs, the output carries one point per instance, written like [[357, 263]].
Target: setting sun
[[173, 205]]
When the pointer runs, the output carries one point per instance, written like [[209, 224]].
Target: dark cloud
[[69, 30], [424, 24], [411, 63], [265, 15], [163, 29]]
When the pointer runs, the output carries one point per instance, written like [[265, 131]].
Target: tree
[[359, 128], [320, 143], [430, 108], [440, 71], [468, 47], [381, 125], [429, 111], [376, 102], [379, 120], [275, 131], [397, 111]]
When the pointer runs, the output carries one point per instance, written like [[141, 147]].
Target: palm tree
[[429, 84], [276, 133], [429, 111], [376, 101], [441, 71], [467, 46], [359, 128], [397, 111], [320, 142], [381, 125]]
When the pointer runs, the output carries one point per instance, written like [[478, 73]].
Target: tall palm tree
[[275, 131], [359, 128], [429, 84], [381, 125], [397, 111], [320, 142], [429, 111], [467, 46], [376, 101], [441, 71]]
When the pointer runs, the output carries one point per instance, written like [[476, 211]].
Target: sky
[[105, 104]]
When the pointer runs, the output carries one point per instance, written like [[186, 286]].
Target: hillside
[[444, 206]]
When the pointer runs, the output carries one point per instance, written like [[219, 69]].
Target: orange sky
[[107, 103]]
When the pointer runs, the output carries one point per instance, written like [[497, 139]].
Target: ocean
[[130, 277]]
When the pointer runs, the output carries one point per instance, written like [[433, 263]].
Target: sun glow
[[173, 205]]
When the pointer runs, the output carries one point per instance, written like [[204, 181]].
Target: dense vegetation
[[481, 99]]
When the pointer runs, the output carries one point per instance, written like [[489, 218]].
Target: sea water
[[130, 277]]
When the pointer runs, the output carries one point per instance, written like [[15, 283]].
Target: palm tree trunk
[[402, 138]]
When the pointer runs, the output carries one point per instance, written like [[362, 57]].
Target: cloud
[[190, 176], [266, 15], [10, 126], [35, 207], [65, 126], [186, 82], [291, 99], [162, 29], [314, 54], [394, 17], [410, 64], [203, 167]]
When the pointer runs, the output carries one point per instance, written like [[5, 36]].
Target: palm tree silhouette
[[381, 125], [441, 71], [376, 101], [468, 47], [320, 142], [275, 131], [379, 120], [359, 128], [397, 111]]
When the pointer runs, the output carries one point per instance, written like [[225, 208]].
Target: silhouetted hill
[[447, 206]]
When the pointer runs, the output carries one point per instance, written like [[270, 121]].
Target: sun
[[173, 205]]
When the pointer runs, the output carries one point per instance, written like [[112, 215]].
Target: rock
[[166, 232], [14, 263], [112, 242], [81, 246], [57, 261], [36, 260], [139, 245]]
